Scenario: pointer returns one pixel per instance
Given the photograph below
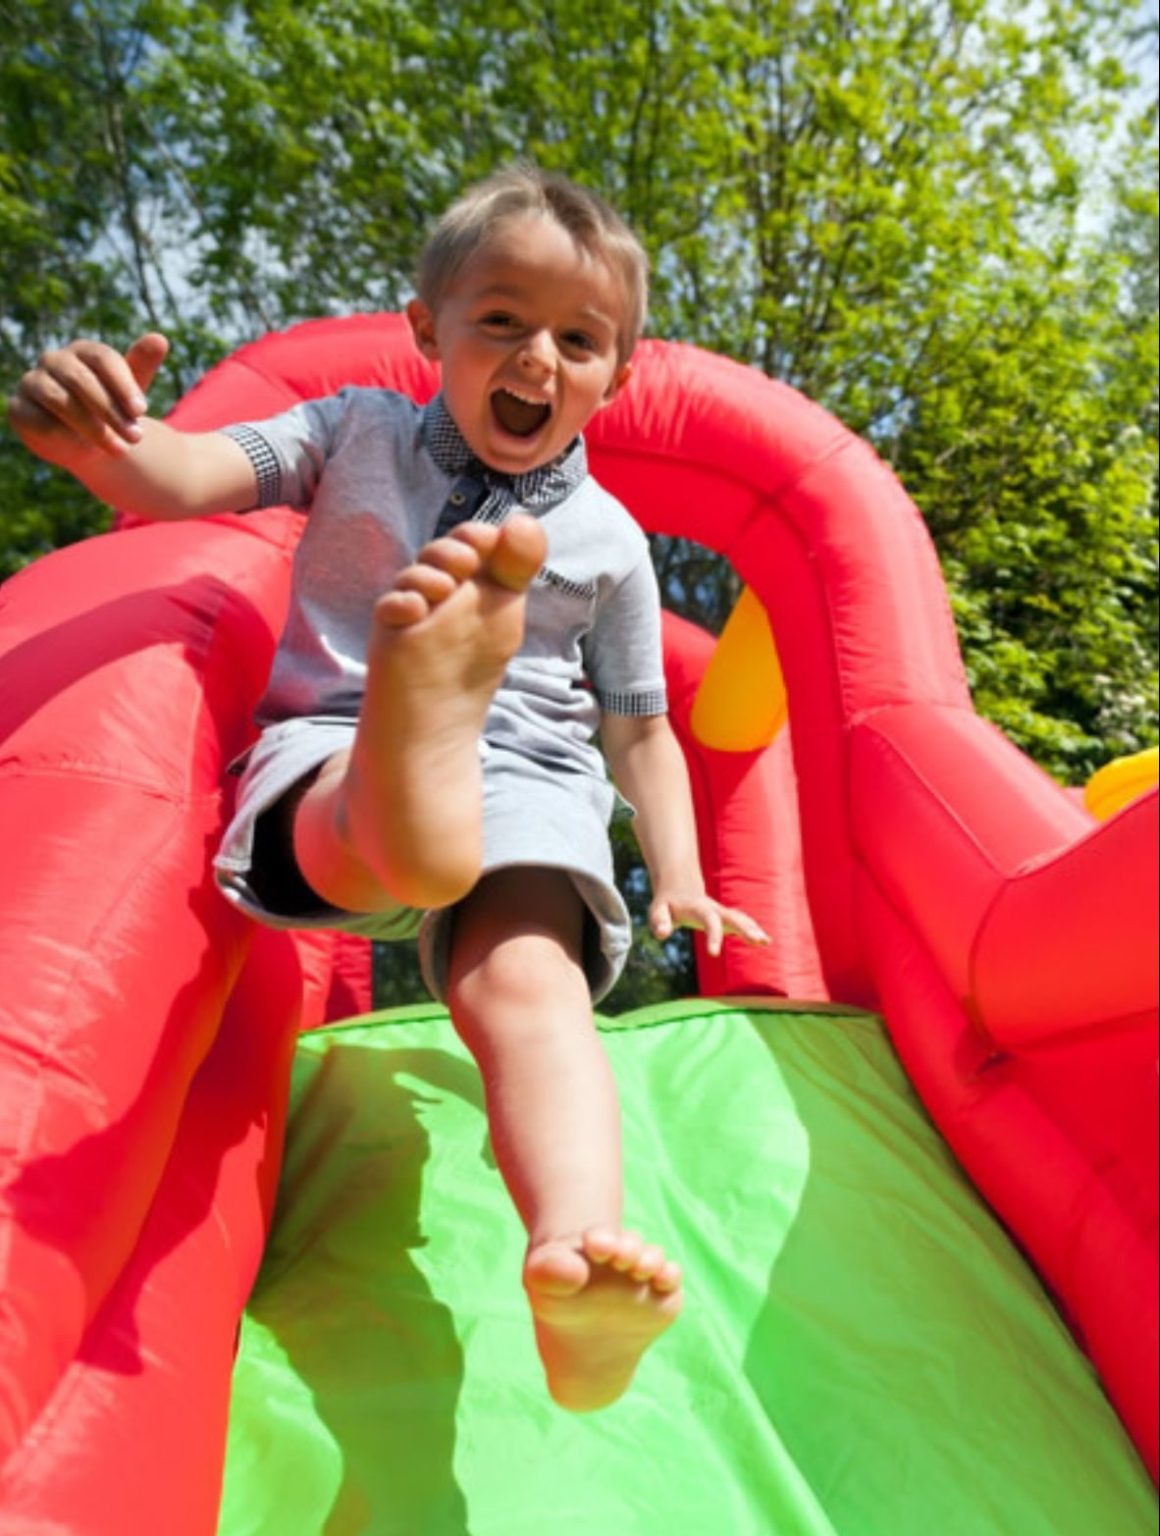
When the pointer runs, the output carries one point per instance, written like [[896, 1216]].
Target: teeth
[[527, 399]]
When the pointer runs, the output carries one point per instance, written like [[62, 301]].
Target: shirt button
[[457, 498]]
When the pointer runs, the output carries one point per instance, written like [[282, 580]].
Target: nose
[[536, 353]]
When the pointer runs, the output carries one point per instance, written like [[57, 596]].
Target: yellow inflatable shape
[[1119, 782], [741, 703]]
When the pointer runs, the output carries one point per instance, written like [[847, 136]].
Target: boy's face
[[527, 337]]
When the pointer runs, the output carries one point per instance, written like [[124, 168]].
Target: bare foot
[[440, 644], [597, 1306]]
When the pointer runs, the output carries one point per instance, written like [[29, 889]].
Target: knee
[[515, 950], [514, 977]]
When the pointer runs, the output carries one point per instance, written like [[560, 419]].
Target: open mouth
[[517, 415]]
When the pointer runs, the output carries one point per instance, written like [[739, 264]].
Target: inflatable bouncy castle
[[257, 1273]]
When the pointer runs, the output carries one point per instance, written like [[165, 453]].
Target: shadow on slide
[[864, 1353]]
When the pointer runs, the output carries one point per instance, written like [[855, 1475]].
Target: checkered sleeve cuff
[[267, 469], [652, 702]]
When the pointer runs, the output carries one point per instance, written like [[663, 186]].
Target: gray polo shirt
[[380, 476]]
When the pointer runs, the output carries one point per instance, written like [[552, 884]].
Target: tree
[[935, 217], [86, 244]]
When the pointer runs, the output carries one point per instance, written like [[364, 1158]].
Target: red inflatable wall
[[908, 857]]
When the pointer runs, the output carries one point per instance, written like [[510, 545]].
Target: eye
[[581, 341], [498, 320]]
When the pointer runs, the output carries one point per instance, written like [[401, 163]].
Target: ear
[[423, 329], [619, 379]]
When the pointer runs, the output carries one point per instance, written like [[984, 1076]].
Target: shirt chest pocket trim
[[560, 613], [584, 590]]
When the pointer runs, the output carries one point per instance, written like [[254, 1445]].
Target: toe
[[555, 1269], [458, 557], [433, 585], [519, 552], [399, 608], [600, 1244], [649, 1262], [668, 1278], [628, 1250]]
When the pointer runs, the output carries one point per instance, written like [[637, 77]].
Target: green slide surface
[[863, 1351]]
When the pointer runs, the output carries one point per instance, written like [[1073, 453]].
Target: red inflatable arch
[[907, 857]]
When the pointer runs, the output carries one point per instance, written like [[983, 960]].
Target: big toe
[[519, 552], [555, 1269]]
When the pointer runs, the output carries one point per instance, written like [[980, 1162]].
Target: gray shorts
[[533, 814]]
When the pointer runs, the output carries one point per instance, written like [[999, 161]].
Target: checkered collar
[[537, 490]]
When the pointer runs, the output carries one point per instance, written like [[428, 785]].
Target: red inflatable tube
[[121, 706], [1015, 907], [945, 880], [152, 1372], [735, 796], [1041, 1138]]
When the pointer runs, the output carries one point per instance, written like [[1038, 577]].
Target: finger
[[49, 405], [660, 919], [143, 359], [714, 931], [99, 388], [105, 369], [27, 418], [741, 923]]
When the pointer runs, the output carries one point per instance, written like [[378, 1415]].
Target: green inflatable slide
[[863, 1350]]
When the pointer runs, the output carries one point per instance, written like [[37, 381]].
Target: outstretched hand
[[670, 911], [86, 396]]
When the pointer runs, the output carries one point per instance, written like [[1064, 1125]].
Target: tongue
[[519, 417]]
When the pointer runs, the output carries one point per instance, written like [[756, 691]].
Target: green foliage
[[1037, 462], [84, 244], [936, 218]]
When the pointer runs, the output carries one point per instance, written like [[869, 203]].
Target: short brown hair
[[521, 189]]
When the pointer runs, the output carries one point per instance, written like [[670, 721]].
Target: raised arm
[[83, 408], [648, 767]]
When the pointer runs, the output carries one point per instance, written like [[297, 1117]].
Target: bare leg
[[599, 1295], [397, 818]]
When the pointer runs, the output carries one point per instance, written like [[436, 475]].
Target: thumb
[[145, 356], [660, 919]]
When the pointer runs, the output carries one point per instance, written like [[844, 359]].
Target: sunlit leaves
[[937, 217]]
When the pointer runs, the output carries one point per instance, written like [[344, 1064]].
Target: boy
[[468, 607]]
